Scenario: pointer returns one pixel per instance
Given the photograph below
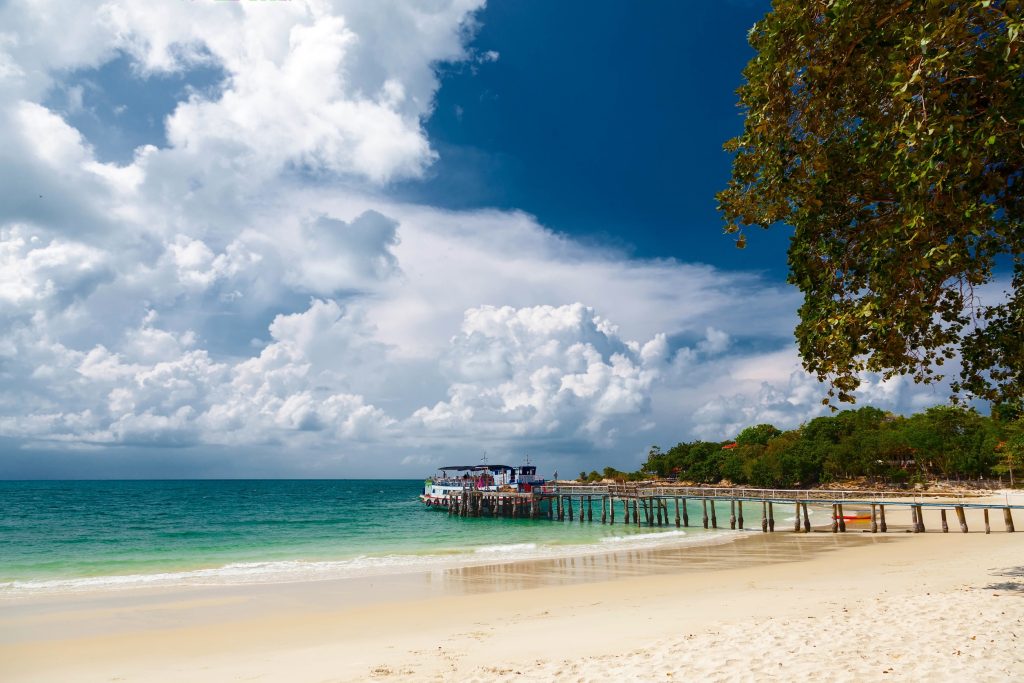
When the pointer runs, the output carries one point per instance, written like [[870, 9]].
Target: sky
[[350, 239]]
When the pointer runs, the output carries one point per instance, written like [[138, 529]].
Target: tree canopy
[[760, 434], [888, 135], [948, 442]]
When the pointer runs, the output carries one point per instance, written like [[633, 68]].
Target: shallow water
[[85, 534]]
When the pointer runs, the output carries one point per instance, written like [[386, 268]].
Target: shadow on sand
[[1014, 585]]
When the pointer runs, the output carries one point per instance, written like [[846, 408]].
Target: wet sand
[[851, 606]]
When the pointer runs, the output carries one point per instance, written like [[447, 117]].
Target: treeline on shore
[[943, 442]]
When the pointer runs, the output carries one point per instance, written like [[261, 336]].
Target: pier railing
[[775, 495], [650, 505]]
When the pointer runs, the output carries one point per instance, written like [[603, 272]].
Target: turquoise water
[[66, 534]]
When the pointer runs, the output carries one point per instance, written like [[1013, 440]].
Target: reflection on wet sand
[[750, 550]]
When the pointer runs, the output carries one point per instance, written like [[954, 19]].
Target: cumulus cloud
[[336, 255], [37, 273], [338, 86], [157, 389], [772, 388], [297, 109], [248, 281], [543, 370]]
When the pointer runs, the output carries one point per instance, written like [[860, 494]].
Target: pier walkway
[[654, 505]]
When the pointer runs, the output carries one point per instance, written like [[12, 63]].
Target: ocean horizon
[[66, 535]]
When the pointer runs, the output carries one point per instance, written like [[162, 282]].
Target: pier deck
[[653, 506]]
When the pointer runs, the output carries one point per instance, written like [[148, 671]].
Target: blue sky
[[350, 239], [605, 120], [117, 108]]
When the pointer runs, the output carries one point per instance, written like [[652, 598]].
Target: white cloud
[[157, 389], [772, 388], [37, 273], [252, 284], [543, 370], [715, 341], [336, 255], [296, 107], [453, 261], [335, 86]]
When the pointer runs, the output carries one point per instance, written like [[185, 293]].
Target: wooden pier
[[666, 506]]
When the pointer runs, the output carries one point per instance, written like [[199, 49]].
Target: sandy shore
[[851, 606]]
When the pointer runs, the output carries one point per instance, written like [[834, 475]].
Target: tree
[[613, 474], [657, 462], [760, 434], [1011, 452], [703, 462], [888, 135], [952, 441]]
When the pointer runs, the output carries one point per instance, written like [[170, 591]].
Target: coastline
[[851, 604], [299, 571]]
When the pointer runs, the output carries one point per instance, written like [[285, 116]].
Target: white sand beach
[[852, 606]]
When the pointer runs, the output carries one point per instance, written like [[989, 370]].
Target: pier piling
[[962, 518], [651, 506]]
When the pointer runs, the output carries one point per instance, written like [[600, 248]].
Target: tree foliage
[[889, 136], [1011, 452], [944, 441], [759, 434]]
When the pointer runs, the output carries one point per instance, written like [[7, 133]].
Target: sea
[[58, 536]]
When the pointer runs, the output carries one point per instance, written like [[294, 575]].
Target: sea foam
[[288, 571]]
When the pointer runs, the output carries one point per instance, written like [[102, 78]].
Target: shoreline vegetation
[[942, 448]]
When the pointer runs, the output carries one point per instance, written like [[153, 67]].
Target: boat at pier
[[439, 490]]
